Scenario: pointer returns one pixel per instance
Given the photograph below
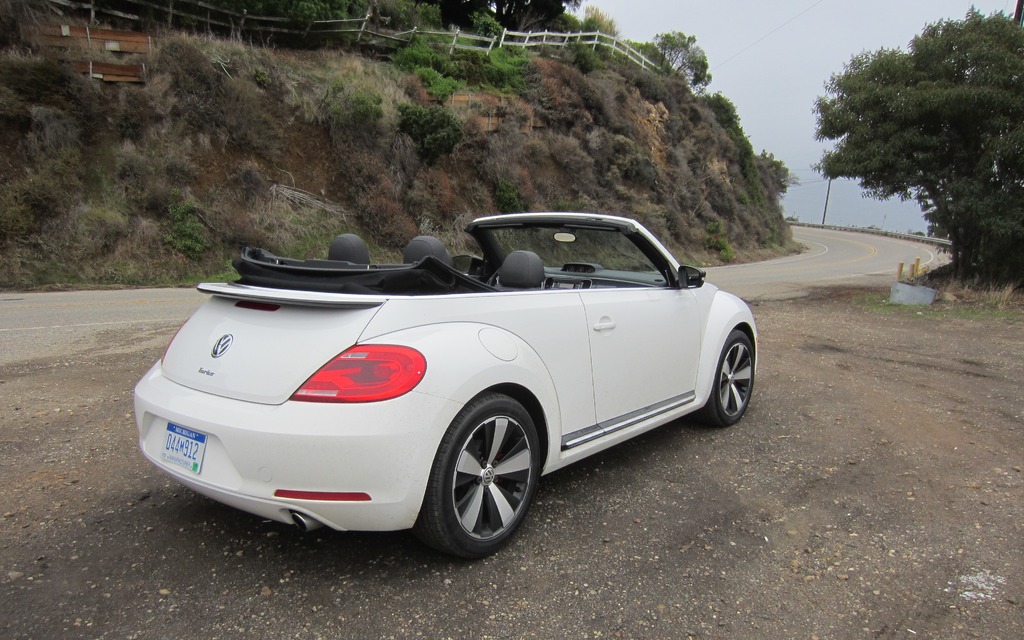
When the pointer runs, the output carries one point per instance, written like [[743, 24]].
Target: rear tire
[[483, 479], [733, 382]]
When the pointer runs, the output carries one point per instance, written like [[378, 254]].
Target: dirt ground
[[874, 490]]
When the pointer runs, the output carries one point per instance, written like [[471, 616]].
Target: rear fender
[[467, 358]]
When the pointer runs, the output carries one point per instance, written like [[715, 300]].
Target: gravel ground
[[874, 490]]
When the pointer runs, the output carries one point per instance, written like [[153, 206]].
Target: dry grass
[[1001, 297]]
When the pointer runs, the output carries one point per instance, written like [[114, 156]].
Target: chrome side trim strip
[[586, 434]]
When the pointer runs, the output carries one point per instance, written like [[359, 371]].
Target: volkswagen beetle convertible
[[435, 393]]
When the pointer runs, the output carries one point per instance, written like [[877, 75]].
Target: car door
[[645, 346]]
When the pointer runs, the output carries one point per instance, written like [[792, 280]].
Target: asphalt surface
[[832, 258]]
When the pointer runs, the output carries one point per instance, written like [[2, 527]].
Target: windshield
[[604, 249]]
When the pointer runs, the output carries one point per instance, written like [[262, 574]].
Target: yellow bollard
[[899, 273], [917, 267]]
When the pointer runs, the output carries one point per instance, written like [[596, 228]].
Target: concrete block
[[911, 294]]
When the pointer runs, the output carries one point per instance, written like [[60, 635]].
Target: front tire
[[483, 479], [733, 383]]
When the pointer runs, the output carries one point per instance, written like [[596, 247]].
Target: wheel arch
[[727, 314], [749, 330], [533, 406]]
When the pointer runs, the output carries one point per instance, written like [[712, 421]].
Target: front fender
[[726, 312]]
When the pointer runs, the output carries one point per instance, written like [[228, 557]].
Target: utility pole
[[1018, 15], [829, 191]]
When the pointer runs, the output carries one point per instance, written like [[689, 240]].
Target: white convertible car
[[433, 394]]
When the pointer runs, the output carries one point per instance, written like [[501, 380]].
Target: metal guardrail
[[938, 242]]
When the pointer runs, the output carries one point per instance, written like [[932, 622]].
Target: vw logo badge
[[222, 345]]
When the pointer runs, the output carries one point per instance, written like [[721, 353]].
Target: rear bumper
[[382, 449]]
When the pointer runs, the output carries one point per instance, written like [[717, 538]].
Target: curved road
[[43, 325], [832, 257]]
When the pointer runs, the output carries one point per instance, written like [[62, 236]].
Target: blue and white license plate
[[184, 447]]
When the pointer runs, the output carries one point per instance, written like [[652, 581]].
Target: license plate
[[184, 447]]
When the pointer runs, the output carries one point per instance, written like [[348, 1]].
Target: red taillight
[[365, 373]]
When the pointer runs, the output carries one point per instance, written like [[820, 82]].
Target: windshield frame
[[487, 232]]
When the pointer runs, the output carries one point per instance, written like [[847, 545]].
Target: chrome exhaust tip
[[304, 522]]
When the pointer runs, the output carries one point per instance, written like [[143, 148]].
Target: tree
[[512, 14], [530, 14], [684, 56], [942, 123]]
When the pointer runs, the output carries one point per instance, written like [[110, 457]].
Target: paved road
[[43, 325], [832, 257]]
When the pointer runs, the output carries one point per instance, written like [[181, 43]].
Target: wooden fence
[[95, 39], [83, 41], [212, 18]]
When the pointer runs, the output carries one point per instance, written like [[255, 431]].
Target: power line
[[764, 37]]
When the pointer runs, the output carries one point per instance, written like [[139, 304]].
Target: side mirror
[[691, 277]]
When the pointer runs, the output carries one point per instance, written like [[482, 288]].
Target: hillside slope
[[228, 145]]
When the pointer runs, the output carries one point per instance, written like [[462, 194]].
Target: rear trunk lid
[[259, 345]]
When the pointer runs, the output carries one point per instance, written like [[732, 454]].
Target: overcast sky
[[772, 59]]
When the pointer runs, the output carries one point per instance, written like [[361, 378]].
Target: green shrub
[[385, 220], [438, 86], [195, 83], [261, 78], [420, 55], [639, 169], [485, 24], [434, 130], [353, 112], [584, 57], [716, 240], [652, 87], [35, 81], [364, 110], [29, 201], [248, 123], [507, 198], [12, 107], [505, 69], [406, 14], [133, 113], [728, 118], [565, 23], [187, 234], [52, 132]]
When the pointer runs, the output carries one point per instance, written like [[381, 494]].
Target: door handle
[[605, 324]]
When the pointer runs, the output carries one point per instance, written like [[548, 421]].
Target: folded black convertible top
[[429, 276]]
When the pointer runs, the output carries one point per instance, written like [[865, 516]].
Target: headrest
[[349, 247], [422, 246], [521, 270]]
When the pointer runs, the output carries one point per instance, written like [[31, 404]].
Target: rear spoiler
[[291, 296]]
